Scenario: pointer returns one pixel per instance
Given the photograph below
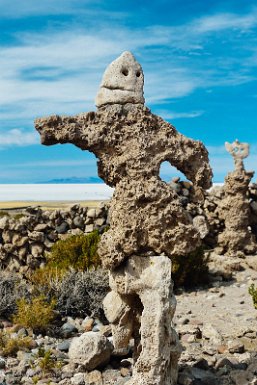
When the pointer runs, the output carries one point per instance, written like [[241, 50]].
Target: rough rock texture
[[122, 82], [236, 240], [90, 350], [144, 286], [131, 143], [146, 214]]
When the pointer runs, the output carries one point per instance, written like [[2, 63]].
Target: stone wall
[[24, 240]]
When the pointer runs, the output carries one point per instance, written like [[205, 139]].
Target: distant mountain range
[[74, 179]]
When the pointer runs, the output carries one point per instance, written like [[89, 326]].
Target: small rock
[[124, 372], [68, 330], [79, 222], [222, 362], [222, 349], [89, 228], [91, 213], [2, 363], [62, 228], [94, 378], [78, 379], [64, 346], [88, 324], [235, 347]]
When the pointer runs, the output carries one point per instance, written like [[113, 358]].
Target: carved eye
[[138, 74], [124, 72]]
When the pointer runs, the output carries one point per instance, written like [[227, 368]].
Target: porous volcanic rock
[[131, 143]]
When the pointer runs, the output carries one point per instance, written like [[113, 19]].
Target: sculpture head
[[237, 150], [122, 82]]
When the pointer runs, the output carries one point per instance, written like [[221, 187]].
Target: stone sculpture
[[147, 221], [239, 151], [236, 240]]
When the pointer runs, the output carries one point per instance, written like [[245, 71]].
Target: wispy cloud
[[224, 21], [50, 70], [21, 9], [180, 115], [17, 137], [59, 71], [217, 150]]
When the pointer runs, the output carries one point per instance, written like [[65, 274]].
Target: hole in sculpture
[[168, 172], [138, 74], [124, 72]]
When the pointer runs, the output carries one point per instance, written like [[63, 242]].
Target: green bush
[[18, 216], [36, 314], [190, 270], [78, 252], [253, 292], [4, 214]]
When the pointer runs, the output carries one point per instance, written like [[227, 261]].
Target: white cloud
[[221, 22], [25, 8], [217, 150], [179, 115], [17, 137], [59, 72]]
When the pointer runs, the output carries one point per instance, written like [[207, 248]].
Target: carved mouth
[[117, 88]]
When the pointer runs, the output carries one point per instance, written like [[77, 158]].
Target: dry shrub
[[81, 293], [11, 289], [44, 279], [9, 345], [36, 313], [253, 292]]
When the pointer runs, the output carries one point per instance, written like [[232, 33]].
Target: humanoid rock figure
[[147, 222], [236, 240]]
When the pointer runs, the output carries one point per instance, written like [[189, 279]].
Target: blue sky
[[199, 59]]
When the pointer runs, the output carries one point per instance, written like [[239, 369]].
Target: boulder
[[91, 350]]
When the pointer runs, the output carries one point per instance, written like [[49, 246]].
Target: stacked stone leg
[[149, 279]]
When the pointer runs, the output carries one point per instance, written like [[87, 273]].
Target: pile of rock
[[207, 216], [81, 353], [24, 240]]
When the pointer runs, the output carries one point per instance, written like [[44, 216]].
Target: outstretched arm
[[78, 130], [188, 156], [193, 160]]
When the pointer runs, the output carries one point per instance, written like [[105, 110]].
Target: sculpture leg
[[149, 278], [157, 363], [119, 314]]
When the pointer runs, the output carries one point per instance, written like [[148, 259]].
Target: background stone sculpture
[[146, 215], [236, 240], [239, 151]]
